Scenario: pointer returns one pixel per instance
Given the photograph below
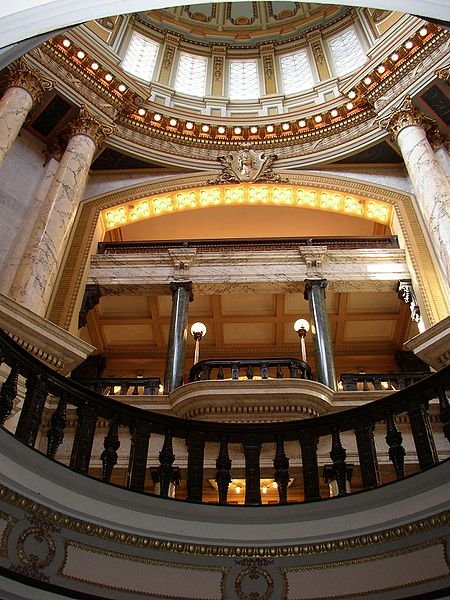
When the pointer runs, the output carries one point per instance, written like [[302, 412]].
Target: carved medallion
[[248, 165]]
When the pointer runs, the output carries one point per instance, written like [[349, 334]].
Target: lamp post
[[301, 326], [198, 330]]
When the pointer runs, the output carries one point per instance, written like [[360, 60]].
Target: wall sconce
[[198, 330], [301, 326]]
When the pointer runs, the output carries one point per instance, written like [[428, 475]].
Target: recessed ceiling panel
[[295, 304], [248, 304], [360, 331], [201, 306], [376, 302], [123, 306], [164, 305], [123, 335], [248, 333]]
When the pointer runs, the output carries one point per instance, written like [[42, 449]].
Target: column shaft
[[14, 108], [176, 351], [320, 329]]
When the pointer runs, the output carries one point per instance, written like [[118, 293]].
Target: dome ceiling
[[243, 23]]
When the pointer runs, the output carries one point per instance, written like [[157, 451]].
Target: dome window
[[140, 57], [244, 81], [296, 72], [347, 52], [191, 74]]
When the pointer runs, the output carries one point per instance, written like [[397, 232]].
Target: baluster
[[401, 383], [293, 371], [8, 393], [281, 466], [377, 383], [394, 440], [31, 413], [249, 372], [234, 370], [365, 385], [137, 464], [252, 450], [220, 374], [135, 391], [55, 435], [124, 389], [444, 412], [422, 434], [279, 372], [367, 453], [84, 438], [166, 459], [196, 453], [311, 481], [223, 466], [338, 455], [264, 371], [111, 445]]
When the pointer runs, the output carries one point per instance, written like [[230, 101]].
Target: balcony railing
[[135, 426], [244, 245], [261, 368], [120, 386], [351, 382]]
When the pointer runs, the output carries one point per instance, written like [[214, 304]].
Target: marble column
[[439, 145], [35, 278], [25, 87], [431, 187], [15, 254], [320, 330], [176, 351]]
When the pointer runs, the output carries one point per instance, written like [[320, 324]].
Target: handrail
[[264, 368], [244, 244], [41, 382], [128, 386]]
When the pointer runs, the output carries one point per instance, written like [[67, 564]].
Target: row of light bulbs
[[205, 129]]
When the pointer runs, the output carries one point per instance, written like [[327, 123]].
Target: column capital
[[310, 283], [186, 285], [435, 137], [21, 75], [87, 124], [404, 115]]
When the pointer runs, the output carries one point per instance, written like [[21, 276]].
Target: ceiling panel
[[295, 304], [248, 304], [380, 330], [248, 333], [123, 334], [123, 306], [201, 306], [379, 302]]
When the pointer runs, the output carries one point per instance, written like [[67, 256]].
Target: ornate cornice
[[86, 124], [21, 75], [444, 73]]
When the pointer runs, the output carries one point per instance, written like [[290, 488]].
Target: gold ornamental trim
[[22, 75], [404, 115], [86, 124], [376, 538]]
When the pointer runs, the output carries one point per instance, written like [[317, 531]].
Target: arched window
[[140, 57], [244, 82], [191, 74], [346, 51], [296, 72]]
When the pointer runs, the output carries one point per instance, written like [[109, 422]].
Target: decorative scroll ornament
[[435, 137], [87, 124], [406, 293], [444, 73], [248, 165], [405, 115], [21, 75]]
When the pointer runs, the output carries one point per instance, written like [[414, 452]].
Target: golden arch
[[247, 194], [90, 227]]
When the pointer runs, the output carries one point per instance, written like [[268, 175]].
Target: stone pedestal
[[176, 351], [320, 330]]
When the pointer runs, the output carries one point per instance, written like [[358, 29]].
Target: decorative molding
[[86, 124], [406, 294], [22, 75], [248, 165], [404, 115]]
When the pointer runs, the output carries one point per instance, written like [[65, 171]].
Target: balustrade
[[122, 386], [351, 382], [285, 441], [255, 368]]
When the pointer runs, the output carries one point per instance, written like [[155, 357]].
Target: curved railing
[[249, 368], [41, 384]]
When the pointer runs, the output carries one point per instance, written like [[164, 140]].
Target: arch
[[28, 18], [88, 230]]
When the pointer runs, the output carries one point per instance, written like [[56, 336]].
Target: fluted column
[[35, 278], [320, 330], [432, 190], [176, 351], [25, 87]]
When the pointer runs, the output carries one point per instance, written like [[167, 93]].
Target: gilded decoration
[[168, 57], [435, 137], [21, 75], [218, 67], [51, 518], [248, 165], [405, 115], [318, 52], [87, 124], [444, 73], [268, 67], [254, 582]]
